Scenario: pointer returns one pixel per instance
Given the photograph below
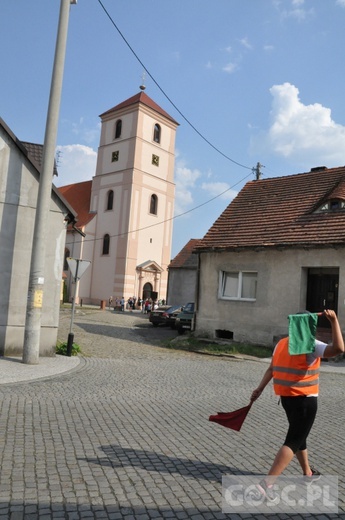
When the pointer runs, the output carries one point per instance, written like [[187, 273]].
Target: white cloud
[[77, 163], [230, 68], [341, 3], [296, 10], [245, 43], [84, 130], [305, 133], [299, 14], [185, 180], [221, 189]]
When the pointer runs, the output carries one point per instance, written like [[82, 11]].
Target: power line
[[169, 219], [193, 127], [167, 97]]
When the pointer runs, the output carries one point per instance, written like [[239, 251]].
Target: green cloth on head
[[302, 332]]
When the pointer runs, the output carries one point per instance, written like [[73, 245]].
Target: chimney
[[318, 169]]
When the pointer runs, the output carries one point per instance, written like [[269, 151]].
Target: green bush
[[61, 348]]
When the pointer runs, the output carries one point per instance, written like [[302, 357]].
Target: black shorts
[[301, 413]]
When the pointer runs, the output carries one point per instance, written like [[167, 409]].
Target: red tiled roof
[[185, 258], [143, 98], [78, 195], [281, 212]]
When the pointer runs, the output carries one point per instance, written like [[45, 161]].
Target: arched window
[[153, 204], [157, 133], [118, 128], [110, 199], [67, 255], [106, 245]]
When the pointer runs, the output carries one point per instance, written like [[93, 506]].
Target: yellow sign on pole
[[38, 298]]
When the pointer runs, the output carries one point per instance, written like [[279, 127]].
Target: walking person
[[296, 381]]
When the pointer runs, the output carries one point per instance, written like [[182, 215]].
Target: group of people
[[121, 304], [148, 305], [133, 303]]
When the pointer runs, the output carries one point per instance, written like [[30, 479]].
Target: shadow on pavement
[[118, 457], [26, 510], [31, 510], [144, 333]]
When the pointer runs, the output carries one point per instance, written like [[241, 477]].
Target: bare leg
[[302, 457], [281, 461]]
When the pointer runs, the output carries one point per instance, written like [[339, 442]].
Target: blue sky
[[261, 80]]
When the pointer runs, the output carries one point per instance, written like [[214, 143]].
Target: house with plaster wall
[[20, 167], [278, 248], [182, 275]]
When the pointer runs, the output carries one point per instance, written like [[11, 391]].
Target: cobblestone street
[[126, 433]]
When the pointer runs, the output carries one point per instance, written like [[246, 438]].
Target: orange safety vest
[[292, 376]]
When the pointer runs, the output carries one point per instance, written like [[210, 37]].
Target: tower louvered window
[[106, 245], [153, 204], [157, 133]]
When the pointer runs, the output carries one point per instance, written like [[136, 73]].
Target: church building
[[126, 211]]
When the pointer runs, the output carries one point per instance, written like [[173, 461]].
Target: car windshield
[[174, 308]]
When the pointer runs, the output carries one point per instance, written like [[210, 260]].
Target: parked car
[[171, 314], [185, 319], [157, 317]]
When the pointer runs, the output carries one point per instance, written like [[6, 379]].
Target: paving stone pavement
[[125, 434]]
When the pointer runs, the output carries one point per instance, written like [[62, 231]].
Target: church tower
[[133, 195]]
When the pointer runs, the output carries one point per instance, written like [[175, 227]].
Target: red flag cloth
[[233, 420]]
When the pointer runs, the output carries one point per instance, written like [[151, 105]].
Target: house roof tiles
[[79, 196], [35, 160], [185, 258], [36, 152], [282, 212]]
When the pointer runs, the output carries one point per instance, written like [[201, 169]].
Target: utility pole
[[257, 171], [36, 281]]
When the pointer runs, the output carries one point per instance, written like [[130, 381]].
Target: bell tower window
[[118, 128], [110, 200], [153, 204], [67, 255], [157, 133], [106, 245]]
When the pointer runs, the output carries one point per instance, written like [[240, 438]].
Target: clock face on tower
[[115, 156], [155, 160]]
